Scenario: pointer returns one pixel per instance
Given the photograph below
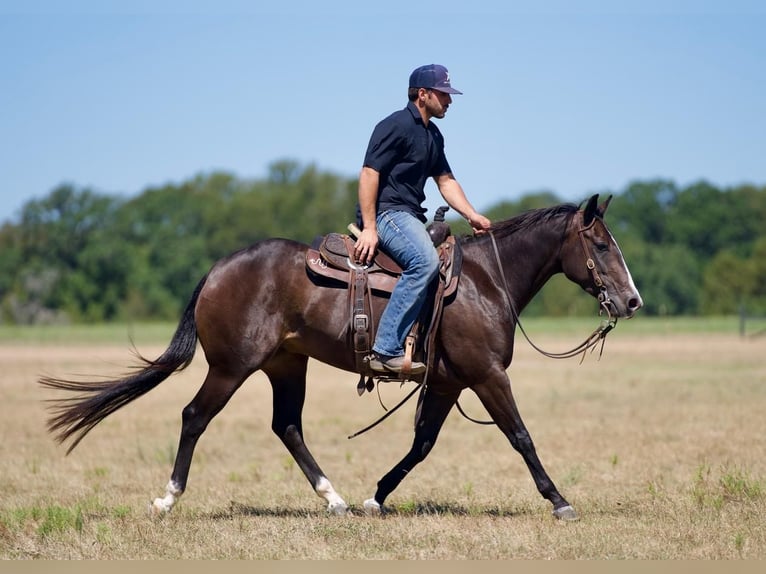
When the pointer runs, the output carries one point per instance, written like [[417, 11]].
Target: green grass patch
[[731, 485], [45, 520], [55, 519], [60, 519], [104, 333]]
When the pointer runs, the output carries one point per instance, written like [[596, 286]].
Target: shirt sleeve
[[383, 148], [441, 165]]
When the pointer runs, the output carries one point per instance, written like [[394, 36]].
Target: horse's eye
[[602, 247]]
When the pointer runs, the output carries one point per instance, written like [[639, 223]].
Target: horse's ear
[[590, 211], [602, 208]]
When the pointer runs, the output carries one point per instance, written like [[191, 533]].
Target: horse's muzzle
[[623, 306]]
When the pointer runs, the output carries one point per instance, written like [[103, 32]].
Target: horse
[[259, 309]]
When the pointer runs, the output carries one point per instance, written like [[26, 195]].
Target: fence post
[[741, 320]]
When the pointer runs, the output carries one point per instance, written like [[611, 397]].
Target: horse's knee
[[426, 448], [426, 437], [188, 413], [521, 441], [288, 434], [192, 423]]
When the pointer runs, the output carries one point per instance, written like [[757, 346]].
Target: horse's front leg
[[496, 396], [431, 415]]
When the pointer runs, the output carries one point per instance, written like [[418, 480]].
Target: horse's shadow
[[427, 508]]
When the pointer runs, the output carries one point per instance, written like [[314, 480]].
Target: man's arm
[[453, 194]]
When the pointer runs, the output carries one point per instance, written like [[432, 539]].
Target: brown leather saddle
[[330, 261]]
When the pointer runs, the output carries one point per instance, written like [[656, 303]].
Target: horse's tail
[[76, 416]]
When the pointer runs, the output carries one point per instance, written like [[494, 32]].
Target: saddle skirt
[[332, 256]]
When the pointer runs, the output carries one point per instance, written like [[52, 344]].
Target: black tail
[[76, 416]]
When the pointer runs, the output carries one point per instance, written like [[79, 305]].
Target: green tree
[[668, 277], [54, 235], [756, 299], [707, 220], [167, 228], [83, 256], [643, 210], [727, 284]]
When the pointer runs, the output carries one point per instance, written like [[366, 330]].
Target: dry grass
[[659, 446]]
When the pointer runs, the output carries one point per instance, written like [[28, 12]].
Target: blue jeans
[[405, 239]]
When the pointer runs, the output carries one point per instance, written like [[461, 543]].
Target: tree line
[[78, 255]]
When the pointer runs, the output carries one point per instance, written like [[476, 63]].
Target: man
[[405, 149]]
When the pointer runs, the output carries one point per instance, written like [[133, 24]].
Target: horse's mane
[[529, 219]]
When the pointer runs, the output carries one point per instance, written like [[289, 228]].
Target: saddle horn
[[439, 230]]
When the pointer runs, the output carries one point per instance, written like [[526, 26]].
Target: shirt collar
[[413, 109]]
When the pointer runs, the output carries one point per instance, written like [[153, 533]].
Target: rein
[[589, 343], [597, 335], [388, 412]]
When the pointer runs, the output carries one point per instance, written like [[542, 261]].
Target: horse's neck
[[529, 259]]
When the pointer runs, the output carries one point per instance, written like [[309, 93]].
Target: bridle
[[603, 297], [591, 341]]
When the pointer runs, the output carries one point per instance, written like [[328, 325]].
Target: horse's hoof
[[371, 507], [158, 507], [337, 508], [566, 513]]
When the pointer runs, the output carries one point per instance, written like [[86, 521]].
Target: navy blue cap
[[433, 77]]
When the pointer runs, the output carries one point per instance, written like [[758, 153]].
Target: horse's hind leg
[[215, 392], [431, 417], [287, 373]]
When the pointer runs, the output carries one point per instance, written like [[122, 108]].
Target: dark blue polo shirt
[[406, 153]]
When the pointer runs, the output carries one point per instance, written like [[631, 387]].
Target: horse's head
[[592, 259]]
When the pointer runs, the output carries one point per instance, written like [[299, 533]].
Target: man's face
[[436, 102]]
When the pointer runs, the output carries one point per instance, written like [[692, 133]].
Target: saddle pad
[[320, 268], [336, 248]]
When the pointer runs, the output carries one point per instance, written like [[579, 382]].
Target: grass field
[[659, 445]]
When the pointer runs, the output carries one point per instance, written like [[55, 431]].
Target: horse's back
[[263, 296], [260, 271]]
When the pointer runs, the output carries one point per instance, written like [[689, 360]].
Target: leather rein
[[603, 297], [589, 343]]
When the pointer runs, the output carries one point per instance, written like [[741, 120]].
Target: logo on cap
[[432, 77]]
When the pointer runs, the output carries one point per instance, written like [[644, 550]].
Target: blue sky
[[571, 97]]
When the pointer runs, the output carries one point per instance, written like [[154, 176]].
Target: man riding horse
[[405, 149]]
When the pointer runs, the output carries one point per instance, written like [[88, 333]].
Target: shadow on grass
[[427, 508], [238, 509]]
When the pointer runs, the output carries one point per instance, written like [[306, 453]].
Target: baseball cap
[[433, 77]]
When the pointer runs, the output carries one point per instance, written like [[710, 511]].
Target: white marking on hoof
[[338, 508], [161, 506], [156, 508], [566, 513], [371, 507], [335, 504]]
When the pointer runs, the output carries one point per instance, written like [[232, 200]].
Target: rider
[[405, 149]]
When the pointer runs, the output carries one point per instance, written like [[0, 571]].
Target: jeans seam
[[404, 307]]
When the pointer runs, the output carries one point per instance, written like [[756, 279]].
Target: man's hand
[[365, 246], [479, 223]]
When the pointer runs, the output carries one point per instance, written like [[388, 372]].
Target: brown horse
[[259, 309]]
